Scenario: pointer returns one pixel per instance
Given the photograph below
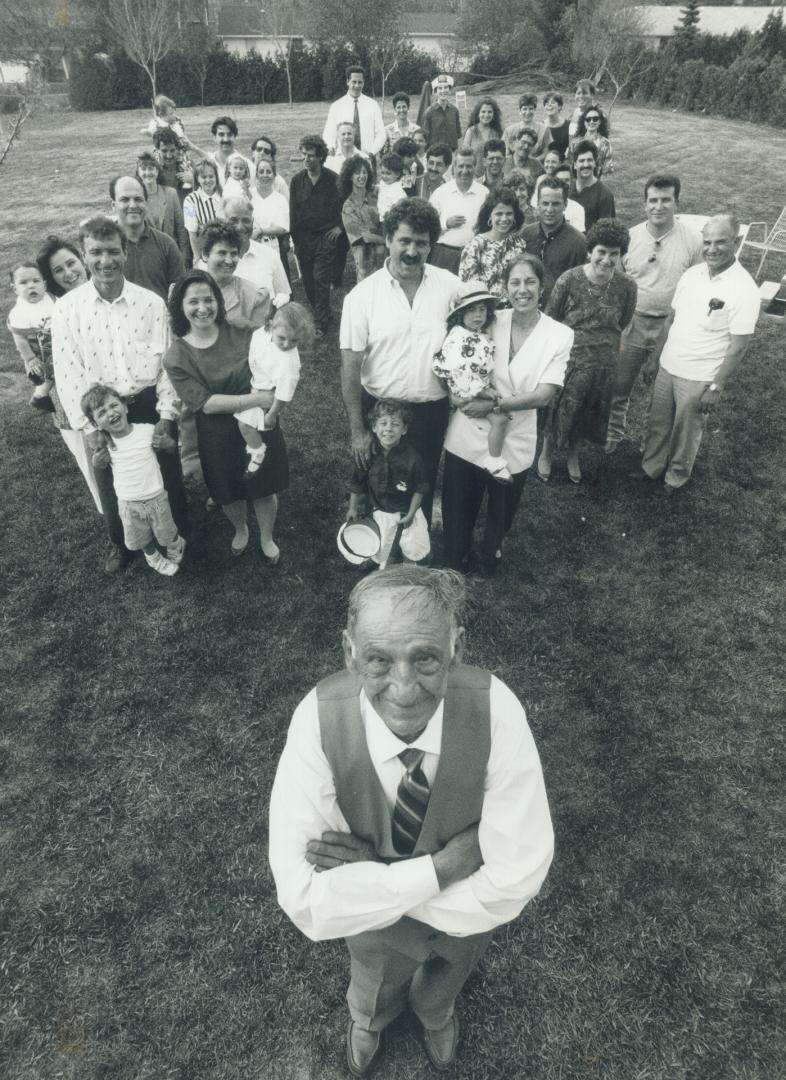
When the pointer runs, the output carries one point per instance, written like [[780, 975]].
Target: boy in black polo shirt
[[395, 483]]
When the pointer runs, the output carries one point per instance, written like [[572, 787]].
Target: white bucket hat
[[359, 541]]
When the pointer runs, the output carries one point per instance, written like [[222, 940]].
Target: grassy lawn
[[143, 718]]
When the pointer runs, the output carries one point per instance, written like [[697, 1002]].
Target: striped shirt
[[199, 209]]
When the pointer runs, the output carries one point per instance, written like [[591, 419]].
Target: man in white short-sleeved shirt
[[391, 325], [458, 204], [712, 320], [408, 813], [661, 249]]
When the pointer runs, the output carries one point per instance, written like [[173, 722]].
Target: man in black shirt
[[315, 226], [594, 196], [559, 246]]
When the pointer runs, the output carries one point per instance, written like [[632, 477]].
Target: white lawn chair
[[774, 240]]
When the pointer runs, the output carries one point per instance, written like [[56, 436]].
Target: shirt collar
[[395, 282], [98, 298], [383, 745], [722, 274]]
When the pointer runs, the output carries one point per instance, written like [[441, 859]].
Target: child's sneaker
[[174, 552], [498, 469], [157, 562], [255, 459]]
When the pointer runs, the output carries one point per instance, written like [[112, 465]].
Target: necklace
[[597, 291]]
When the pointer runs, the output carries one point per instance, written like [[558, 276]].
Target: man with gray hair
[[707, 333], [409, 813]]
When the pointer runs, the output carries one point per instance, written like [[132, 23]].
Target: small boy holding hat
[[394, 483], [466, 363]]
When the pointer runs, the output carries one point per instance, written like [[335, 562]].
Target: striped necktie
[[411, 802]]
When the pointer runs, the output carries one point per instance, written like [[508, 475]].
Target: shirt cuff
[[415, 880], [167, 413]]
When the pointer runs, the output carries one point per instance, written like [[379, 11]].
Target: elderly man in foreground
[[713, 316], [409, 813]]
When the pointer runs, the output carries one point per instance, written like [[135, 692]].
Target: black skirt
[[222, 452]]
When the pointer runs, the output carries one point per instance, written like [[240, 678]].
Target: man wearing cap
[[392, 324], [408, 814], [441, 121]]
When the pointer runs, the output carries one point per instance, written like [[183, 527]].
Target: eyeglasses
[[592, 119], [654, 255]]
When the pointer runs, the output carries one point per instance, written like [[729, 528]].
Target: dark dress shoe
[[117, 560], [441, 1044], [362, 1048]]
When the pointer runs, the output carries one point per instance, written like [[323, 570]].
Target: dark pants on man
[[463, 488], [316, 255], [142, 410], [426, 434]]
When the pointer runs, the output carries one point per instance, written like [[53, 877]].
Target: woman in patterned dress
[[496, 242], [597, 301]]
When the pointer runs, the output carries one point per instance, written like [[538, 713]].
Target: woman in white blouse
[[271, 212], [531, 353]]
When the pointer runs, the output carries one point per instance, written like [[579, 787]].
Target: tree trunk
[[287, 62]]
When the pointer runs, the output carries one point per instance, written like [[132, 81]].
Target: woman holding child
[[531, 354], [208, 366]]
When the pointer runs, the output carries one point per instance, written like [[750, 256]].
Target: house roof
[[244, 20], [663, 21]]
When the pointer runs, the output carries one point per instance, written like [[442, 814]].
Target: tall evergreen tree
[[687, 35]]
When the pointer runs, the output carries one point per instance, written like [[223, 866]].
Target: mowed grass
[[143, 718]]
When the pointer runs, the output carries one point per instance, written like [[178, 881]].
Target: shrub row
[[752, 87], [105, 82]]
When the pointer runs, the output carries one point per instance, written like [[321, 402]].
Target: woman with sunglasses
[[594, 125]]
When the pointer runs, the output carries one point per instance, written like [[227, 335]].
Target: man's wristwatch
[[715, 387]]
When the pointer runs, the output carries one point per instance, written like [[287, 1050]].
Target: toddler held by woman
[[466, 363], [274, 360]]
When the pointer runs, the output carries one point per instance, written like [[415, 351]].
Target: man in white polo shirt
[[458, 203], [713, 316], [661, 250], [392, 324]]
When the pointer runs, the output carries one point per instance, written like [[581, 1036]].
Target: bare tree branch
[[147, 30]]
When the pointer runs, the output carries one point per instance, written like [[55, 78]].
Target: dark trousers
[[463, 488], [317, 258], [426, 434], [283, 251], [342, 250], [446, 257], [142, 410]]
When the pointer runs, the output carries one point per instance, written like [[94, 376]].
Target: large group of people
[[168, 300], [499, 306]]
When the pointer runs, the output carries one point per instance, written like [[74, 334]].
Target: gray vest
[[456, 797]]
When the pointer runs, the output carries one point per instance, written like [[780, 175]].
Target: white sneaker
[[157, 562], [175, 552]]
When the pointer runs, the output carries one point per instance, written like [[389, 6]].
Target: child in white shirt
[[142, 501], [274, 360], [237, 178], [466, 363], [30, 325], [390, 190]]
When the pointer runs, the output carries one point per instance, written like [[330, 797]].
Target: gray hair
[[238, 200], [731, 217], [442, 590]]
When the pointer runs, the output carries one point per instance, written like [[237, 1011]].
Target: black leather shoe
[[441, 1044], [362, 1048], [117, 560]]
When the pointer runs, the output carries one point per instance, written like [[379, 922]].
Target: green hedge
[[101, 83]]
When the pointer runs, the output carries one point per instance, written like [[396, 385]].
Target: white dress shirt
[[117, 342], [399, 340], [335, 162], [262, 265], [515, 832], [372, 128], [701, 333], [449, 201]]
